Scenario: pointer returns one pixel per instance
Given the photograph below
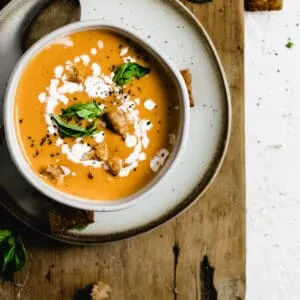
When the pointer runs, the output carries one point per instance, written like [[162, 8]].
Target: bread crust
[[187, 76], [257, 5]]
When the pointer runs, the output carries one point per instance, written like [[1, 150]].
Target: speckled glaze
[[209, 126]]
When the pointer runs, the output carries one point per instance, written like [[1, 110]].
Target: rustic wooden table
[[169, 262]]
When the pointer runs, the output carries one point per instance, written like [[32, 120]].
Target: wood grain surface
[[199, 255]]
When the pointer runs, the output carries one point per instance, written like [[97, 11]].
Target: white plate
[[169, 26]]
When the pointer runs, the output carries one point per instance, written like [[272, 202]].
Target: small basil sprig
[[12, 252], [128, 71], [70, 130], [83, 111]]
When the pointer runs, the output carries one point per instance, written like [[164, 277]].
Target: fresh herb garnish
[[12, 252], [128, 71], [289, 44], [87, 111], [83, 111], [70, 130]]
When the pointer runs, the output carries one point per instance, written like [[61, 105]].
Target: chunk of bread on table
[[63, 218], [256, 5]]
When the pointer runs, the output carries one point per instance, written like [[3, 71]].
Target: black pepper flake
[[57, 154], [21, 121], [32, 145], [29, 137], [43, 140], [49, 142], [47, 136], [52, 155], [90, 175], [148, 123], [134, 169], [120, 46]]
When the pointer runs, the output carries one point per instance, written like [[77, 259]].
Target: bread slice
[[187, 76], [62, 219], [256, 5]]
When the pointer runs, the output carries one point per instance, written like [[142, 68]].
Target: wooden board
[[165, 263]]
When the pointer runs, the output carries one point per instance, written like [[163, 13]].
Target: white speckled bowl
[[11, 132]]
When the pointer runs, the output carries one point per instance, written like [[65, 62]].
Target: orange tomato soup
[[96, 116]]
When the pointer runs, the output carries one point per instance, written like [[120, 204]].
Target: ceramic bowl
[[11, 133]]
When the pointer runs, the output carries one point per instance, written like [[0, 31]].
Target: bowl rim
[[19, 157]]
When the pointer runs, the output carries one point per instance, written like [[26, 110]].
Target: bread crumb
[[101, 291], [76, 76]]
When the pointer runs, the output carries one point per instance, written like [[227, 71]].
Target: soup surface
[[96, 117]]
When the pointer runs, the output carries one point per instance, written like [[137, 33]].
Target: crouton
[[187, 76], [101, 291], [101, 152], [52, 172], [255, 5], [119, 121], [76, 75], [115, 165]]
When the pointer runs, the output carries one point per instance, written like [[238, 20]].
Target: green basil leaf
[[4, 234], [62, 124], [8, 253], [128, 71], [20, 254], [83, 110], [69, 130], [12, 253], [8, 257]]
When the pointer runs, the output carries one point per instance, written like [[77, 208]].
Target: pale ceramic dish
[[186, 43], [11, 132]]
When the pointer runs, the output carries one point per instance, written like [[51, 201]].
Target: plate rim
[[196, 194]]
